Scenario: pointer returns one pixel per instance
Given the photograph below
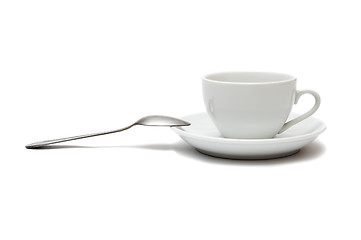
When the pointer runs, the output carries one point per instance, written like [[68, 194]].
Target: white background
[[75, 67]]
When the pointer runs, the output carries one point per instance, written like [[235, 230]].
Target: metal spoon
[[154, 120]]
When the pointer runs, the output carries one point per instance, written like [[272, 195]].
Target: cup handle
[[298, 119]]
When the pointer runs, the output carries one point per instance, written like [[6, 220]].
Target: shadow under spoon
[[153, 120]]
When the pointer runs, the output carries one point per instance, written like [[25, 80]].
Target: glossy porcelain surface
[[205, 137], [251, 105]]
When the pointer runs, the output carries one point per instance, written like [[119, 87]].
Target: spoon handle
[[59, 140]]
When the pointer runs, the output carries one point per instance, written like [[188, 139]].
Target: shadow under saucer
[[309, 152]]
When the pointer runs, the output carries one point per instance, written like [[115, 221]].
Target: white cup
[[252, 104]]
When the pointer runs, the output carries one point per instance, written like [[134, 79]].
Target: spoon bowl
[[161, 121]]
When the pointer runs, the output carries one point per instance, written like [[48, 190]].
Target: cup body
[[249, 105]]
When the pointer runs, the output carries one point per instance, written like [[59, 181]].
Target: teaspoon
[[153, 120]]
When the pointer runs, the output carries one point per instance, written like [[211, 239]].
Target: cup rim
[[288, 78]]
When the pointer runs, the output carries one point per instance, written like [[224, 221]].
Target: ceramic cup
[[253, 104]]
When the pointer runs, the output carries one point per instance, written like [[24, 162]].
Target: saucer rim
[[320, 129]]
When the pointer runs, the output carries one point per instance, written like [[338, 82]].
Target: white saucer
[[203, 135]]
